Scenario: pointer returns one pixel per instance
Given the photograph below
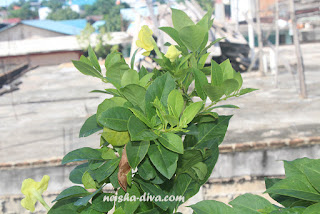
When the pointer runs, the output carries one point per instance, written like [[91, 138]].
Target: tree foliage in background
[[24, 12], [110, 10], [63, 14]]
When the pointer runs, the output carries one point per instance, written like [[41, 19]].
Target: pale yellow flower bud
[[172, 53]]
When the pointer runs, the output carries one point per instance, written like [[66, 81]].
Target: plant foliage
[[155, 138]]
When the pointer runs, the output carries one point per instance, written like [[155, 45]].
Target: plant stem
[[156, 49]]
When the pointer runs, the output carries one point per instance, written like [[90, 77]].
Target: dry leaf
[[124, 169]]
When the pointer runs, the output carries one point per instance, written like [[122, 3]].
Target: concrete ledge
[[227, 148]]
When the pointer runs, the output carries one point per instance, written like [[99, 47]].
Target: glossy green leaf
[[312, 171], [93, 59], [106, 169], [85, 60], [88, 181], [115, 138], [214, 92], [131, 206], [163, 159], [108, 153], [136, 151], [200, 169], [146, 169], [297, 187], [112, 59], [227, 70], [200, 82], [180, 19], [141, 116], [145, 80], [216, 74], [175, 102], [64, 207], [85, 153], [76, 174], [161, 88], [237, 76], [86, 69], [229, 86], [189, 113], [192, 36], [247, 90], [139, 131], [249, 203], [223, 106], [100, 205], [129, 77], [135, 94], [89, 127], [216, 207], [115, 72], [115, 118], [313, 209], [172, 142], [112, 102], [84, 201], [173, 33], [72, 192]]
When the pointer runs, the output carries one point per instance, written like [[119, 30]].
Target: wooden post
[[276, 55], [259, 38], [300, 65]]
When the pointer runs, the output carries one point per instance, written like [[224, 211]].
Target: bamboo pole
[[300, 65]]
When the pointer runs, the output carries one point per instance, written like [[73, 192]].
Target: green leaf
[[173, 33], [136, 151], [163, 159], [188, 160], [229, 86], [180, 19], [216, 74], [161, 88], [172, 142], [112, 59], [200, 169], [238, 77], [135, 94], [154, 191], [143, 71], [227, 70], [297, 187], [114, 179], [140, 115], [189, 113], [131, 206], [200, 82], [106, 169], [247, 90], [85, 60], [115, 118], [192, 36], [212, 131], [202, 60], [145, 80], [115, 72], [108, 153], [100, 205], [139, 131], [223, 106], [85, 153], [313, 209], [93, 59], [133, 59], [129, 77], [249, 203], [76, 174], [72, 192], [206, 206], [214, 92], [89, 127], [146, 170], [86, 69], [95, 164], [175, 101], [64, 207], [84, 201], [312, 171], [112, 102], [293, 210], [115, 138], [88, 181]]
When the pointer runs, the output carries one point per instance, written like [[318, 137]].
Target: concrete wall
[[54, 58], [21, 31]]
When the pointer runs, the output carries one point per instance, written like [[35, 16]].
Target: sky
[[4, 3]]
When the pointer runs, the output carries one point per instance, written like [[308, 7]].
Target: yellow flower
[[33, 192], [145, 40], [172, 53]]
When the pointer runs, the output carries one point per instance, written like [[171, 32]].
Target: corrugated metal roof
[[55, 26], [79, 23], [82, 2]]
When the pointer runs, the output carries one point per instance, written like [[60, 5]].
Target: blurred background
[[44, 101]]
